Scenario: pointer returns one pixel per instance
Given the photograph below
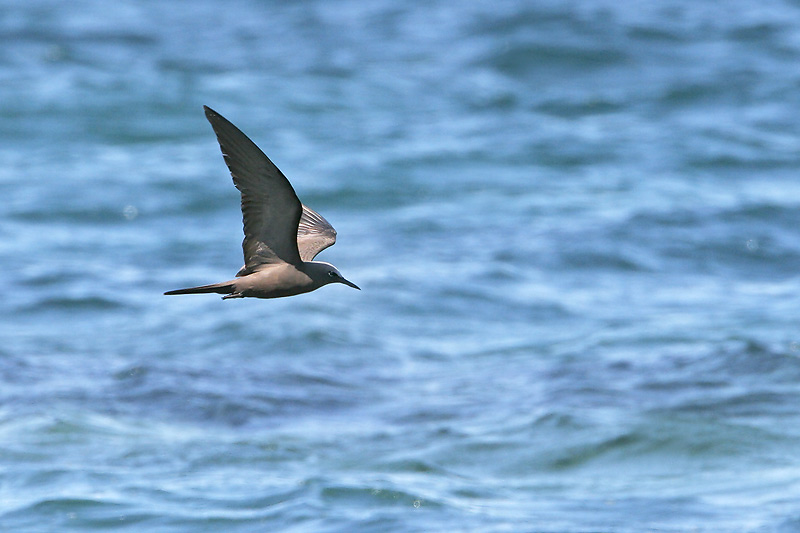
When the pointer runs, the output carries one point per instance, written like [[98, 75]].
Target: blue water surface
[[576, 226]]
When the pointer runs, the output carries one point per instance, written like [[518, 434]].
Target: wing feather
[[314, 234], [270, 208]]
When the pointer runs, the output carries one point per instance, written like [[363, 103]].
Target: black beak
[[350, 283]]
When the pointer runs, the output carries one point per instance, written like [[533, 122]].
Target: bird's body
[[271, 281], [281, 235]]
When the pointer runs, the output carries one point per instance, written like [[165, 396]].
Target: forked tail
[[226, 287]]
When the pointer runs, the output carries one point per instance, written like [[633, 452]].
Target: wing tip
[[213, 117]]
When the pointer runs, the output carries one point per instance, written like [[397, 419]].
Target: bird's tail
[[225, 287]]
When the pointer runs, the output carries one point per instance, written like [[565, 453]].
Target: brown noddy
[[281, 235]]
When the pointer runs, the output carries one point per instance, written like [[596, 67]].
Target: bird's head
[[324, 273]]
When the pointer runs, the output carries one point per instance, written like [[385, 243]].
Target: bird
[[281, 235]]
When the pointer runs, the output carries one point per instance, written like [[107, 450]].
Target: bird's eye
[[332, 274]]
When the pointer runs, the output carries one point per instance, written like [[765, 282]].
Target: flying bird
[[281, 235]]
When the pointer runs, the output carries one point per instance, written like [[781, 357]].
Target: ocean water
[[576, 225]]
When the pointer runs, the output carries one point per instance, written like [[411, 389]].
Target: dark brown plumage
[[281, 235]]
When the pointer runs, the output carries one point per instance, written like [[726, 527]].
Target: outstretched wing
[[270, 208], [314, 234]]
